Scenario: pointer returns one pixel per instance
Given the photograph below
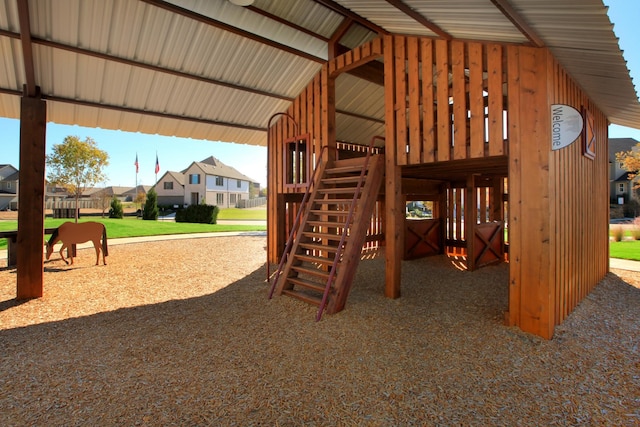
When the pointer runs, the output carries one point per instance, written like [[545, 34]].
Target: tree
[[76, 165], [150, 211], [116, 208], [631, 162]]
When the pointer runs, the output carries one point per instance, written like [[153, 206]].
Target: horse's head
[[49, 249]]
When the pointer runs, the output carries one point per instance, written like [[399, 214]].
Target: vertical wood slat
[[476, 101], [496, 129], [442, 88], [399, 58], [414, 101], [394, 210], [459, 100], [536, 294], [428, 122], [515, 188]]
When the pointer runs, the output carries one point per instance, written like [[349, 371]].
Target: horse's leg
[[64, 246], [96, 245]]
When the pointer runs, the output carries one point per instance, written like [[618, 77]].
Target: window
[[168, 185], [297, 161], [239, 184], [194, 179], [8, 185], [620, 188], [219, 181], [219, 199], [232, 199]]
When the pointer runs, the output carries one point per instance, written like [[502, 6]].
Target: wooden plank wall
[[431, 73], [558, 240], [579, 204]]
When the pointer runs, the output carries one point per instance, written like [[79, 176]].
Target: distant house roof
[[616, 145], [625, 177], [13, 177], [213, 166], [177, 176]]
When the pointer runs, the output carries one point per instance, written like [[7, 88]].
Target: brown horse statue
[[71, 233]]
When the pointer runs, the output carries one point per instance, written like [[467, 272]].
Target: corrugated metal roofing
[[142, 65]]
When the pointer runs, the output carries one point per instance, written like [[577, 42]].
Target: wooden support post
[[470, 220], [30, 266], [394, 208]]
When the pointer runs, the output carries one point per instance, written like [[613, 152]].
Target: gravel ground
[[181, 333]]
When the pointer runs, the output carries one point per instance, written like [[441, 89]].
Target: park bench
[[12, 244]]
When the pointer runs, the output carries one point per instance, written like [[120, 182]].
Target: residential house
[[621, 185], [8, 187], [209, 181]]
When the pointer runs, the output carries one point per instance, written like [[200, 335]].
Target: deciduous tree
[[76, 165]]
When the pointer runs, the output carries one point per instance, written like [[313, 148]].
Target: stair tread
[[329, 212], [331, 224], [308, 284], [310, 299], [341, 179], [337, 190], [343, 169], [322, 235], [314, 259], [311, 271], [319, 246]]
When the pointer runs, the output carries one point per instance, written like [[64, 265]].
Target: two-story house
[[209, 181], [8, 187], [622, 186]]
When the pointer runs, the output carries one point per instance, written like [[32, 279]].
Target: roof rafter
[[223, 26], [151, 67], [403, 7], [330, 4], [520, 23]]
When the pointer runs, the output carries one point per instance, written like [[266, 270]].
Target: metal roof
[[208, 69]]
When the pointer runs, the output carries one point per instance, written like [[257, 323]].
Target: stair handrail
[[294, 227], [343, 237]]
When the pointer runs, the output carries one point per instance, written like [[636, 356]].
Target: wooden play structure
[[467, 126]]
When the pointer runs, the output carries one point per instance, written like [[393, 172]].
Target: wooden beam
[[27, 50], [394, 206], [30, 268], [230, 28], [516, 19], [419, 18]]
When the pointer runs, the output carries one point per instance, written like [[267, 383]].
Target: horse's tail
[[105, 248], [53, 238]]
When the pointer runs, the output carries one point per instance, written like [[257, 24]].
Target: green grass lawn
[[247, 214], [627, 249], [132, 227]]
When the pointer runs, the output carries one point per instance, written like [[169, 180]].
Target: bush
[[116, 208], [150, 211], [202, 214], [617, 233]]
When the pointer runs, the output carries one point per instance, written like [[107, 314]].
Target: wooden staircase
[[322, 258]]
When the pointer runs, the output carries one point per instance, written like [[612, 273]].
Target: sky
[[176, 154]]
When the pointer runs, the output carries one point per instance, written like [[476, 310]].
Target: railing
[[343, 237]]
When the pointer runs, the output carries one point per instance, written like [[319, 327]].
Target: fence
[[251, 203]]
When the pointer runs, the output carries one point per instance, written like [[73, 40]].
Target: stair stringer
[[353, 248]]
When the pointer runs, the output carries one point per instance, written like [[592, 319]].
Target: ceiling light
[[242, 2]]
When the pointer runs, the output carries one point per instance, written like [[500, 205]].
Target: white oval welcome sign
[[566, 125]]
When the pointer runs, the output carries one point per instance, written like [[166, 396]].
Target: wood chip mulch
[[181, 333]]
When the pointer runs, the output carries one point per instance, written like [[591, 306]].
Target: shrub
[[116, 208], [617, 233], [202, 214], [150, 211]]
